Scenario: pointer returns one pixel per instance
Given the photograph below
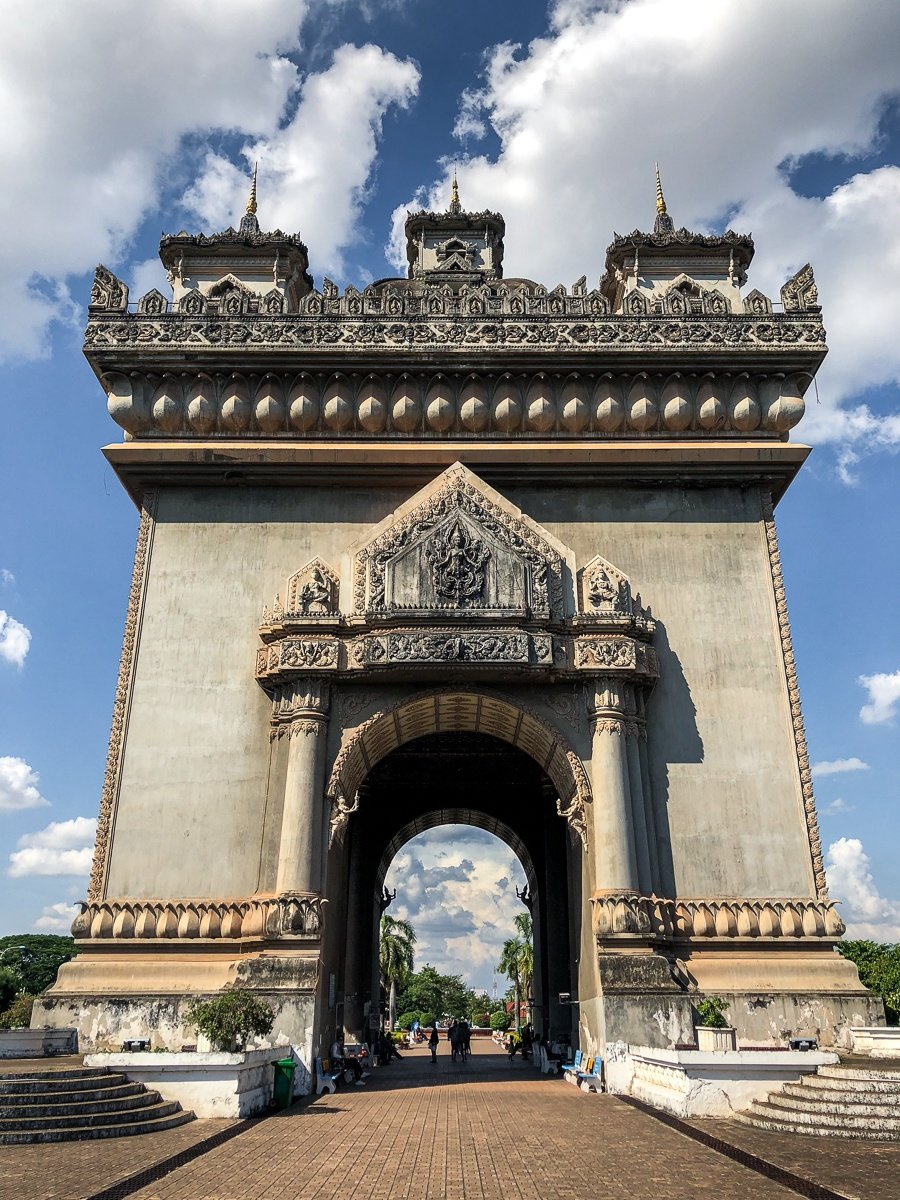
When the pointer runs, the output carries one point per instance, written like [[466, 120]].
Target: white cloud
[[583, 113], [104, 103], [314, 170], [57, 918], [61, 848], [837, 806], [18, 785], [456, 885], [884, 694], [6, 577], [867, 913], [15, 639], [837, 766]]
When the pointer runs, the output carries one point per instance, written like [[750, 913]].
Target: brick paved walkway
[[489, 1130]]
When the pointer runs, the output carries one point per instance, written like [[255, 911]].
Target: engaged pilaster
[[301, 714], [616, 860]]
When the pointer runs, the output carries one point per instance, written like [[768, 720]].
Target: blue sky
[[783, 121]]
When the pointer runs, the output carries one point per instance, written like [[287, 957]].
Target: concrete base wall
[[208, 1085]]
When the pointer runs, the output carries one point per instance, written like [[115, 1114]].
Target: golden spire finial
[[251, 203], [660, 199], [455, 205]]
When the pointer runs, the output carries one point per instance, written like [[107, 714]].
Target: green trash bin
[[284, 1082]]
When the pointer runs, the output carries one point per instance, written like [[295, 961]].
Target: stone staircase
[[79, 1104], [838, 1101]]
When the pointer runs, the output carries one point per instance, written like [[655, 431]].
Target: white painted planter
[[877, 1041], [696, 1083], [37, 1043], [209, 1085], [711, 1040]]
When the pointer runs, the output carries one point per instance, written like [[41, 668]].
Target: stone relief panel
[[313, 591], [603, 588], [460, 545]]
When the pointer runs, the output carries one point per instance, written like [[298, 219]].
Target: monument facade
[[458, 547]]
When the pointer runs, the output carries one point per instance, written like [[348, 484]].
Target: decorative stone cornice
[[793, 692], [291, 915], [110, 792], [403, 403], [657, 919]]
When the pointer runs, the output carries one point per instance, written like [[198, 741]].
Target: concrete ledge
[[876, 1041], [694, 1083], [37, 1043], [209, 1085]]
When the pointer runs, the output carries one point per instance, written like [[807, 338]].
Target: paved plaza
[[484, 1130]]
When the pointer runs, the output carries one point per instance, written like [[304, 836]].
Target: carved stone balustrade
[[660, 920], [291, 915]]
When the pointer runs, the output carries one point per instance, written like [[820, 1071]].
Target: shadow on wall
[[672, 737]]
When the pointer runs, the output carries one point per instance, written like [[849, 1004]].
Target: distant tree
[[509, 966], [517, 962], [36, 958], [500, 1020], [878, 964], [10, 985], [395, 957], [18, 1015], [428, 991]]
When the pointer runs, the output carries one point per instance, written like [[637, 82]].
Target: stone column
[[616, 861], [305, 708], [644, 849]]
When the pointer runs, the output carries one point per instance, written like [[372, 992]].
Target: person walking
[[433, 1042]]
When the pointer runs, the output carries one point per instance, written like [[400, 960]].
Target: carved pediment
[[460, 546], [604, 589], [312, 591]]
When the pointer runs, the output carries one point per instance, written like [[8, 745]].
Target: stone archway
[[454, 777], [465, 711]]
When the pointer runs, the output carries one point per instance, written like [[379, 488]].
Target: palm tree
[[395, 958], [526, 955], [510, 959]]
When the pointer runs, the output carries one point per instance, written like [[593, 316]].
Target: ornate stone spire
[[249, 223], [664, 223], [455, 206]]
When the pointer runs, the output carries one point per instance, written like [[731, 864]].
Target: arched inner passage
[[463, 712], [448, 778], [457, 816]]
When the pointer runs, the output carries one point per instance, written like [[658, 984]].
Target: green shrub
[[711, 1012], [18, 1015], [500, 1020], [878, 964], [231, 1018]]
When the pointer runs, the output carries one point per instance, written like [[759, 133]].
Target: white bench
[[326, 1081]]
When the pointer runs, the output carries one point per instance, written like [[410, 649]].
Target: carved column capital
[[300, 708]]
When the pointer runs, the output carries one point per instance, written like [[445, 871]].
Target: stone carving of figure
[[457, 565], [601, 589], [315, 595]]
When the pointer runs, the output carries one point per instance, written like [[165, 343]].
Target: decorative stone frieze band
[[673, 920], [289, 915], [793, 690], [406, 403], [109, 794]]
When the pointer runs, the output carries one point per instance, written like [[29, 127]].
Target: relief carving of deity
[[315, 596], [601, 589], [457, 563]]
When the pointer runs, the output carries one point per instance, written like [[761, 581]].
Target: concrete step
[[90, 1132], [813, 1121], [839, 1071], [149, 1112], [839, 1108], [58, 1081], [75, 1096], [785, 1125], [127, 1099], [63, 1073], [851, 1085]]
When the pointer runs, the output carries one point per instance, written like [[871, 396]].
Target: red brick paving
[[487, 1130]]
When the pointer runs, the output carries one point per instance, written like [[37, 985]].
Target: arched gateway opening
[[456, 758]]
